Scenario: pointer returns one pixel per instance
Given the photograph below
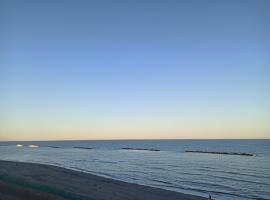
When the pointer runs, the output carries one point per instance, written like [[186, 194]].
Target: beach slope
[[36, 181]]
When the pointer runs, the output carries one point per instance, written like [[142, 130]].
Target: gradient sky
[[134, 69]]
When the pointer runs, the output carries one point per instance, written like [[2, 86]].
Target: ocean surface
[[223, 176]]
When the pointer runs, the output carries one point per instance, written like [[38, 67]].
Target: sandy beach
[[35, 181]]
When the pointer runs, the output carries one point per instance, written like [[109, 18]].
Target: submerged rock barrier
[[221, 152], [140, 149], [53, 147], [83, 147]]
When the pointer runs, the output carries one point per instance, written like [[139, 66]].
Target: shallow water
[[223, 176]]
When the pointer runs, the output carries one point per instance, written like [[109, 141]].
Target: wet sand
[[35, 181]]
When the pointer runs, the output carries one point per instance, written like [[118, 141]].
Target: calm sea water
[[223, 176]]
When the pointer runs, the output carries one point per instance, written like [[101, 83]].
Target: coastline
[[19, 180]]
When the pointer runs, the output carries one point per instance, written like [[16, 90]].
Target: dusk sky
[[134, 69]]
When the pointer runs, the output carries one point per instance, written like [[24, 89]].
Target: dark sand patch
[[9, 191]]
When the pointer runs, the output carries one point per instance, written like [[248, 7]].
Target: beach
[[20, 180]]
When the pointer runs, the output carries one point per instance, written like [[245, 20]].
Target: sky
[[126, 69]]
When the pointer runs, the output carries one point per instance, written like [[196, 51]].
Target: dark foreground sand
[[35, 181]]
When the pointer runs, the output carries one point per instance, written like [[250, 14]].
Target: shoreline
[[20, 180]]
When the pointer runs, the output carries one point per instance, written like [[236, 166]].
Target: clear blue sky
[[134, 69]]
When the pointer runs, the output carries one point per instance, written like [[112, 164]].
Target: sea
[[225, 177]]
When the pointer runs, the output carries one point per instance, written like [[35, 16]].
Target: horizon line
[[135, 139]]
